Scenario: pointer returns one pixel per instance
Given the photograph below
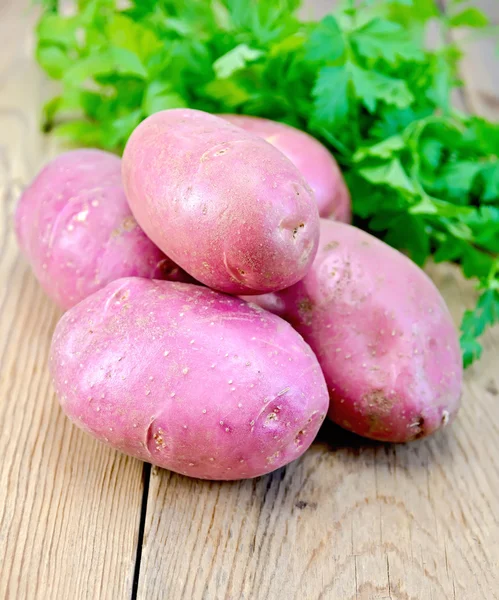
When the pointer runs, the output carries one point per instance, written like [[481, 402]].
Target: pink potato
[[188, 379], [74, 225], [382, 334], [310, 157], [222, 203]]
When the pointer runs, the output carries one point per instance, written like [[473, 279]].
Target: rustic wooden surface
[[350, 520], [69, 508]]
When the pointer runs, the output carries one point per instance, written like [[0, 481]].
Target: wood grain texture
[[69, 507], [479, 66], [351, 520]]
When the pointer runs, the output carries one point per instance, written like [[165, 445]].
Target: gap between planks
[[146, 476]]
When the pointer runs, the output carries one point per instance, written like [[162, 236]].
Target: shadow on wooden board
[[336, 446]]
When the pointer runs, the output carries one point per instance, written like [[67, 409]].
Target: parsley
[[476, 321], [423, 176]]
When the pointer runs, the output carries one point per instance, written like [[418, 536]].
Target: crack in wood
[[142, 525]]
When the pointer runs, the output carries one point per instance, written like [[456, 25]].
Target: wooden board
[[69, 508], [479, 67], [350, 520]]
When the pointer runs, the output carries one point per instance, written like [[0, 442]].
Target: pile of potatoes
[[219, 306]]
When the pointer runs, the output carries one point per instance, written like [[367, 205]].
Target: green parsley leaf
[[86, 134], [160, 96], [423, 176], [409, 233], [331, 95], [476, 263], [132, 37], [235, 60], [451, 249], [476, 321], [89, 68], [490, 182], [469, 17], [127, 62], [54, 29], [391, 174], [226, 93], [384, 149], [53, 59], [371, 86], [386, 40], [483, 134], [120, 129], [325, 42], [457, 178], [472, 349], [431, 152]]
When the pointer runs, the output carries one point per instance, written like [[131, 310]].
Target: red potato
[[310, 157], [222, 203], [382, 334], [74, 225], [188, 379]]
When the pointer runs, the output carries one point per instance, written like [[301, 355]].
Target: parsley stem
[[492, 279]]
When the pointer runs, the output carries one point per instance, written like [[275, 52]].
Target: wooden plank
[[480, 64], [352, 519], [69, 507]]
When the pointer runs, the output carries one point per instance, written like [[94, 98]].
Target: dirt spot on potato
[[378, 401], [343, 276], [375, 422], [377, 408], [122, 295], [207, 267], [305, 308], [330, 246], [143, 322], [270, 417], [273, 458], [154, 440], [159, 441], [128, 224]]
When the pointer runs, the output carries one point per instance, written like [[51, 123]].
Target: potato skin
[[310, 157], [74, 225], [382, 334], [188, 379], [224, 204]]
